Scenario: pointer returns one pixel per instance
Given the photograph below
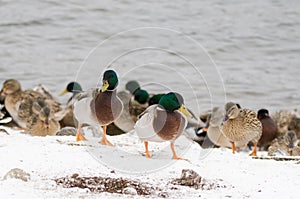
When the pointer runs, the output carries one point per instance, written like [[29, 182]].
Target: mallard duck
[[214, 130], [285, 145], [163, 122], [69, 119], [241, 125], [74, 88], [40, 121], [269, 128], [15, 96], [100, 106], [134, 102]]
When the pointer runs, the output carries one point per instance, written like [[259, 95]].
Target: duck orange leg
[[79, 136], [147, 150], [233, 147], [254, 150], [104, 140], [175, 157]]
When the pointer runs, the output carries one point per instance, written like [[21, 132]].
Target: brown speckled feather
[[168, 125], [245, 127]]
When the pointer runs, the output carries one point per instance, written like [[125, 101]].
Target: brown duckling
[[241, 125], [269, 128], [15, 95]]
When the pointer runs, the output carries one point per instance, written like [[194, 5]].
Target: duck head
[[231, 111], [110, 81], [10, 86], [71, 87], [43, 112], [155, 99], [132, 86], [290, 140], [172, 102], [262, 113], [141, 96]]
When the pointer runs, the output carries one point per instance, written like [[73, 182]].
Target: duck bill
[[104, 86], [63, 92], [47, 124], [225, 119], [3, 91], [184, 110]]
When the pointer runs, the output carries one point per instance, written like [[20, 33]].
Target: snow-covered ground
[[48, 158]]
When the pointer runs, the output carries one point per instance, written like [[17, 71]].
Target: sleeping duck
[[285, 145], [99, 106], [241, 125], [40, 120], [163, 122], [15, 95]]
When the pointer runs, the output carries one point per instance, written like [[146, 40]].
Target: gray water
[[211, 51]]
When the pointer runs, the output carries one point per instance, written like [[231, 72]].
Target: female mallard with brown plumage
[[100, 106], [40, 121], [285, 145], [15, 95], [241, 125], [163, 122], [214, 130]]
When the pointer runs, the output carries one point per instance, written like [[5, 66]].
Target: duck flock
[[154, 117]]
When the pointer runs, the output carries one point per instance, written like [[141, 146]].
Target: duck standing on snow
[[15, 95], [101, 106], [214, 130], [241, 125], [163, 122], [269, 128], [68, 120], [40, 121]]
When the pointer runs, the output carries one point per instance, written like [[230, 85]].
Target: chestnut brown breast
[[168, 125], [106, 107]]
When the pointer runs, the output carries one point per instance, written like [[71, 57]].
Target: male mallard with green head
[[74, 88], [163, 122], [101, 106], [15, 95], [241, 125]]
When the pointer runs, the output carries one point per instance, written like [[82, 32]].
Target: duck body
[[95, 107], [269, 128], [158, 125], [163, 122], [99, 106], [15, 95], [39, 118], [241, 125], [214, 131], [246, 127]]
